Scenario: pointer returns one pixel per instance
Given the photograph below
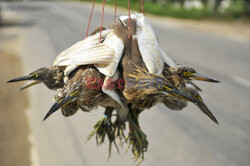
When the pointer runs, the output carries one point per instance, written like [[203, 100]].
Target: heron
[[52, 77]]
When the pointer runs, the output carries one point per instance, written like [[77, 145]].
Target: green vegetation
[[176, 8]]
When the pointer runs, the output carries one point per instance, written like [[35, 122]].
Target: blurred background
[[213, 36]]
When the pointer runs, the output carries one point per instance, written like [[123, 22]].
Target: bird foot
[[112, 130], [138, 140]]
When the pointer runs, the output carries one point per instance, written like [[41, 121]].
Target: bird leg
[[105, 127], [136, 136]]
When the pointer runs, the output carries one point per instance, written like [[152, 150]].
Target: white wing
[[96, 54], [88, 51], [170, 62], [114, 42], [148, 44]]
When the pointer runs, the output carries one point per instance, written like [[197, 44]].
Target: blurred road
[[176, 138]]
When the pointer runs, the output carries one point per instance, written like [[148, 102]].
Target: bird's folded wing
[[97, 54], [148, 45], [170, 62], [117, 45], [83, 50]]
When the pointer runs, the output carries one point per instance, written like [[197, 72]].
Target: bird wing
[[88, 51], [170, 62], [116, 44], [149, 38], [148, 45]]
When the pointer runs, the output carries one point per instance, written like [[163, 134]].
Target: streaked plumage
[[52, 77], [84, 88], [83, 73]]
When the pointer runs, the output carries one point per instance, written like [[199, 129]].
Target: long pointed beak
[[179, 94], [201, 77], [29, 84], [205, 109], [23, 78], [57, 105]]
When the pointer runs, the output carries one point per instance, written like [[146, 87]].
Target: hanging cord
[[129, 20], [139, 5], [115, 11], [93, 6], [102, 21], [142, 7]]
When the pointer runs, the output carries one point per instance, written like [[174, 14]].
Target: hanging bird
[[112, 44], [128, 49], [52, 77], [84, 87], [139, 90]]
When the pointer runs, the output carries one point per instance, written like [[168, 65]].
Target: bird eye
[[187, 74], [34, 75]]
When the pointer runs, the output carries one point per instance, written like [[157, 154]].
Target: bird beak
[[24, 78], [178, 93], [202, 106], [195, 99], [201, 77], [30, 83], [57, 105]]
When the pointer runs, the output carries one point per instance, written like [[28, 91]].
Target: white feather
[[170, 62], [111, 92], [69, 69], [88, 51], [97, 54], [114, 42], [148, 44]]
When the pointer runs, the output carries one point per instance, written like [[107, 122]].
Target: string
[[115, 12], [139, 5], [142, 7], [102, 20], [129, 20], [87, 33]]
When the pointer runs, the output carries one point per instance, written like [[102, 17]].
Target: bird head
[[67, 95], [190, 74], [33, 78], [62, 101], [52, 77]]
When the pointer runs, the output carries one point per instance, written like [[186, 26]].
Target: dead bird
[[52, 77], [84, 87]]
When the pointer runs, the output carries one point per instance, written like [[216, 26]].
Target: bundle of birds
[[127, 72]]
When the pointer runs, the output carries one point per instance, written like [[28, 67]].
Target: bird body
[[85, 75], [84, 88]]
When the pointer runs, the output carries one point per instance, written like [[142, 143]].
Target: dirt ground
[[14, 130]]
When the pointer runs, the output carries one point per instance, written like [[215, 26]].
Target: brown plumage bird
[[84, 88], [52, 77]]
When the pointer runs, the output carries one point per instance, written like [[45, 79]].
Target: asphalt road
[[176, 138]]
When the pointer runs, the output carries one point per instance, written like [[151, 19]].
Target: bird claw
[[112, 130], [138, 140]]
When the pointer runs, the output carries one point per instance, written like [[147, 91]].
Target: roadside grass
[[233, 12], [161, 10]]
